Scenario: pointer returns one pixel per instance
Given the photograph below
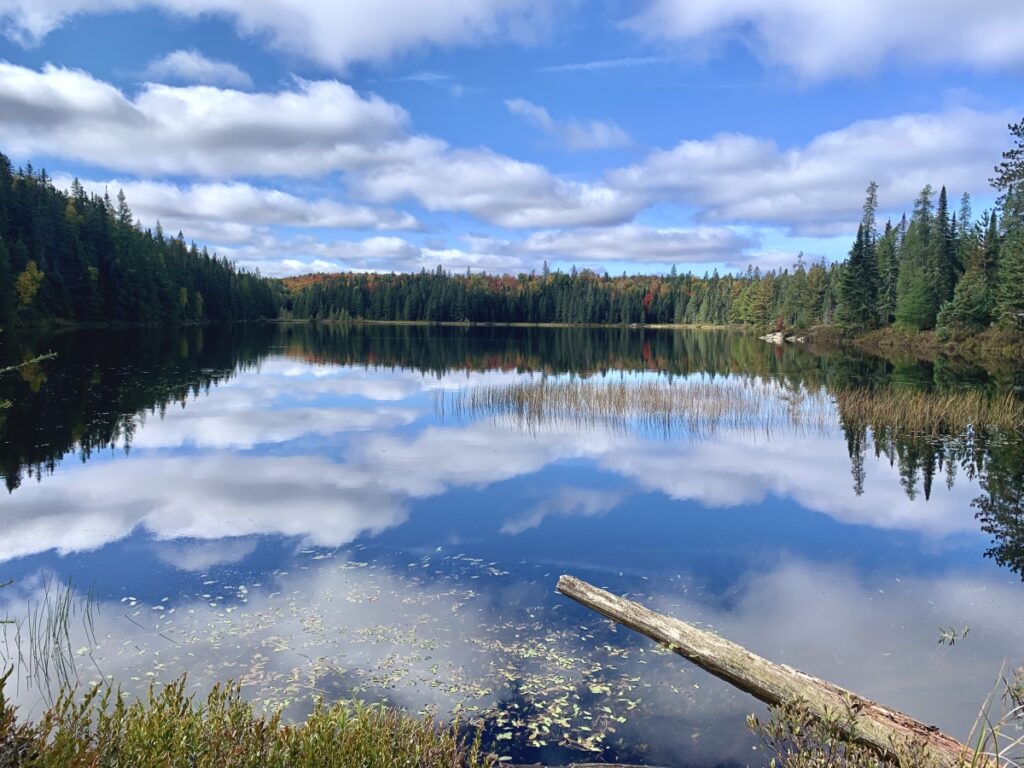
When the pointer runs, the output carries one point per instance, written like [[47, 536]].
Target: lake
[[332, 511]]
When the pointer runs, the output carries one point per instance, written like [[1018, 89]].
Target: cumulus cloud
[[627, 243], [192, 67], [576, 135], [818, 188], [316, 30], [820, 40], [232, 493], [498, 189], [235, 212], [310, 130]]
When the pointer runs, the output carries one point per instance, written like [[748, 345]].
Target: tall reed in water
[[703, 406]]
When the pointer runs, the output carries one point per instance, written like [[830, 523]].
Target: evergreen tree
[[942, 248], [888, 274], [1009, 181], [915, 290]]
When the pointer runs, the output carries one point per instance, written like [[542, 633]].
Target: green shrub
[[172, 729]]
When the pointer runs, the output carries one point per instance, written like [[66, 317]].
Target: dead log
[[884, 730]]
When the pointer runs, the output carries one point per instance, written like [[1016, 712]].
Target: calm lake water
[[308, 511]]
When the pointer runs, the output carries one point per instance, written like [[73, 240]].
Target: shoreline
[[991, 348]]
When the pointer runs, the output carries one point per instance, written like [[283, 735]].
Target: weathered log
[[878, 727]]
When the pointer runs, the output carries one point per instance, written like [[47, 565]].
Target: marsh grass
[[933, 413], [693, 407], [171, 728], [705, 406]]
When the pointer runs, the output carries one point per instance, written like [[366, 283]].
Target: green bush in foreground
[[170, 728]]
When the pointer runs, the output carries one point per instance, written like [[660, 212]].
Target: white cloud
[[818, 40], [236, 212], [226, 495], [818, 188], [311, 130], [576, 135], [498, 189], [192, 67], [201, 556], [627, 243], [318, 30], [565, 502]]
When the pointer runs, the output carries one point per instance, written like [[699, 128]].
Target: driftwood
[[884, 730]]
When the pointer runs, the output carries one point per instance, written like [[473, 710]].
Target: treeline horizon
[[76, 258], [939, 269], [84, 259]]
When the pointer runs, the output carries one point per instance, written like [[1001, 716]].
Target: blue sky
[[497, 134]]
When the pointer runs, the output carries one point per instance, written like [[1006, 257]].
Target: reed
[[703, 406], [39, 644], [696, 406], [935, 413]]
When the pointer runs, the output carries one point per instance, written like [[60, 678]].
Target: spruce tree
[[915, 289], [858, 287], [1009, 180], [942, 251], [888, 274]]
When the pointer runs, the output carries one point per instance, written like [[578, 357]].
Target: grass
[[45, 657], [794, 738], [923, 412], [172, 729], [701, 407]]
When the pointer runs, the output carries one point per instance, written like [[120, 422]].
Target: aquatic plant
[[905, 409], [169, 727], [704, 406], [694, 406], [42, 652]]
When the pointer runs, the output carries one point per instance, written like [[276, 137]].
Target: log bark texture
[[875, 725]]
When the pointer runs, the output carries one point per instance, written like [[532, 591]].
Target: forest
[[940, 268], [83, 259]]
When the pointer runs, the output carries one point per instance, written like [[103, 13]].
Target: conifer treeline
[[939, 268], [81, 258]]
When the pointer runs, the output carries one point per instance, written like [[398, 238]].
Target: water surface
[[295, 508]]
